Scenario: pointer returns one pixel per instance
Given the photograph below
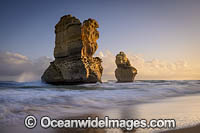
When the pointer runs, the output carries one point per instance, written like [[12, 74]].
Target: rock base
[[125, 75], [65, 71]]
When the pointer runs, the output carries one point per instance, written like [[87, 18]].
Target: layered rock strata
[[75, 44], [124, 72]]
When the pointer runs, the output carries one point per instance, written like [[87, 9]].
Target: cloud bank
[[150, 69], [17, 67]]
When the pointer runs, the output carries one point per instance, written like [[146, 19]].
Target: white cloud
[[149, 69], [17, 67]]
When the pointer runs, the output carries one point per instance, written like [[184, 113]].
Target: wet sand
[[185, 110], [195, 129]]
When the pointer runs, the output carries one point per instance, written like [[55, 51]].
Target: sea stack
[[124, 72], [75, 44]]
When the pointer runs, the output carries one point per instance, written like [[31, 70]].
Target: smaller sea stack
[[124, 72]]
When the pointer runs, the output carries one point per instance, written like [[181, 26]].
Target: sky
[[161, 38]]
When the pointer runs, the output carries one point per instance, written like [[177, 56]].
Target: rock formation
[[124, 72], [75, 44]]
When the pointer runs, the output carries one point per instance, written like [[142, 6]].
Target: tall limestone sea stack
[[124, 72], [75, 44]]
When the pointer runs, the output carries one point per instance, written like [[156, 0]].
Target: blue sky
[[166, 30]]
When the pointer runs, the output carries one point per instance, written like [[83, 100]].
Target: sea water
[[18, 100]]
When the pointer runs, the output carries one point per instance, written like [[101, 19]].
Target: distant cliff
[[124, 72], [75, 44]]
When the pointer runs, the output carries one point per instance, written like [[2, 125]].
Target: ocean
[[17, 100]]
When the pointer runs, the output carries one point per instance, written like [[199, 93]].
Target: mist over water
[[20, 99]]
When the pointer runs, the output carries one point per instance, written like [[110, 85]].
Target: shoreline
[[141, 100], [166, 108]]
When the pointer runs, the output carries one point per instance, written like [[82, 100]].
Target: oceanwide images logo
[[128, 124]]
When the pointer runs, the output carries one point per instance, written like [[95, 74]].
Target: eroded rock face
[[75, 44], [124, 72]]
